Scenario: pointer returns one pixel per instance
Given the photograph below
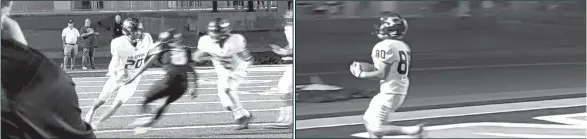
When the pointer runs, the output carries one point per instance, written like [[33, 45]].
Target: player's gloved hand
[[355, 69], [275, 46], [277, 49]]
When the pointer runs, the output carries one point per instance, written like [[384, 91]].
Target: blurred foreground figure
[[231, 59], [285, 84], [175, 59], [38, 99]]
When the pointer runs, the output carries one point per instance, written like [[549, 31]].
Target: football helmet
[[170, 36], [219, 28], [288, 18], [130, 28], [392, 26]]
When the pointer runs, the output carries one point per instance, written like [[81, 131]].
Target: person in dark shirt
[[39, 99], [117, 27], [175, 59], [89, 45]]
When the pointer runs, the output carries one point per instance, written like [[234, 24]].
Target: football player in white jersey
[[391, 58], [285, 84], [129, 52], [230, 58]]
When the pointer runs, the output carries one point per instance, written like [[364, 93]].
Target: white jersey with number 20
[[396, 54], [129, 58]]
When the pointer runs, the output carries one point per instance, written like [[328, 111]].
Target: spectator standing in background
[[90, 43], [69, 37], [117, 27]]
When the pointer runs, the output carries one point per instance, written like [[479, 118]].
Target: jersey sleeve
[[77, 34], [82, 30], [63, 33], [201, 43], [288, 35], [114, 47], [383, 52], [242, 50], [148, 40], [114, 62]]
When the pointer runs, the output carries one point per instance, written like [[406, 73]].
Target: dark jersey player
[[175, 59]]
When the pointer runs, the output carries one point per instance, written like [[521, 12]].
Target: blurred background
[[540, 22], [43, 21]]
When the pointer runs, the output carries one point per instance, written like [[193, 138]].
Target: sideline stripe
[[447, 112], [454, 68]]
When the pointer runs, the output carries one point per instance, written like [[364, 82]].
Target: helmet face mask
[[130, 29], [219, 29], [171, 36], [391, 27]]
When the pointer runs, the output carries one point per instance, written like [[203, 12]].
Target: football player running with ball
[[285, 84], [129, 52], [230, 58], [391, 59], [175, 59]]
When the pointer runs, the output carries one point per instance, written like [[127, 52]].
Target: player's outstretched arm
[[146, 66], [199, 55]]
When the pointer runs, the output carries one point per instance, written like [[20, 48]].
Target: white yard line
[[180, 128], [199, 95], [529, 135], [191, 103], [143, 90], [454, 68], [200, 82], [191, 113], [446, 112]]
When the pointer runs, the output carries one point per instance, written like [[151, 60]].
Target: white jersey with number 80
[[396, 54]]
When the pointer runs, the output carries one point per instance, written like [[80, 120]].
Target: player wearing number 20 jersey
[[230, 58], [128, 55], [391, 58]]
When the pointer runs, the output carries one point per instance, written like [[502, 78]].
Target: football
[[367, 66]]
